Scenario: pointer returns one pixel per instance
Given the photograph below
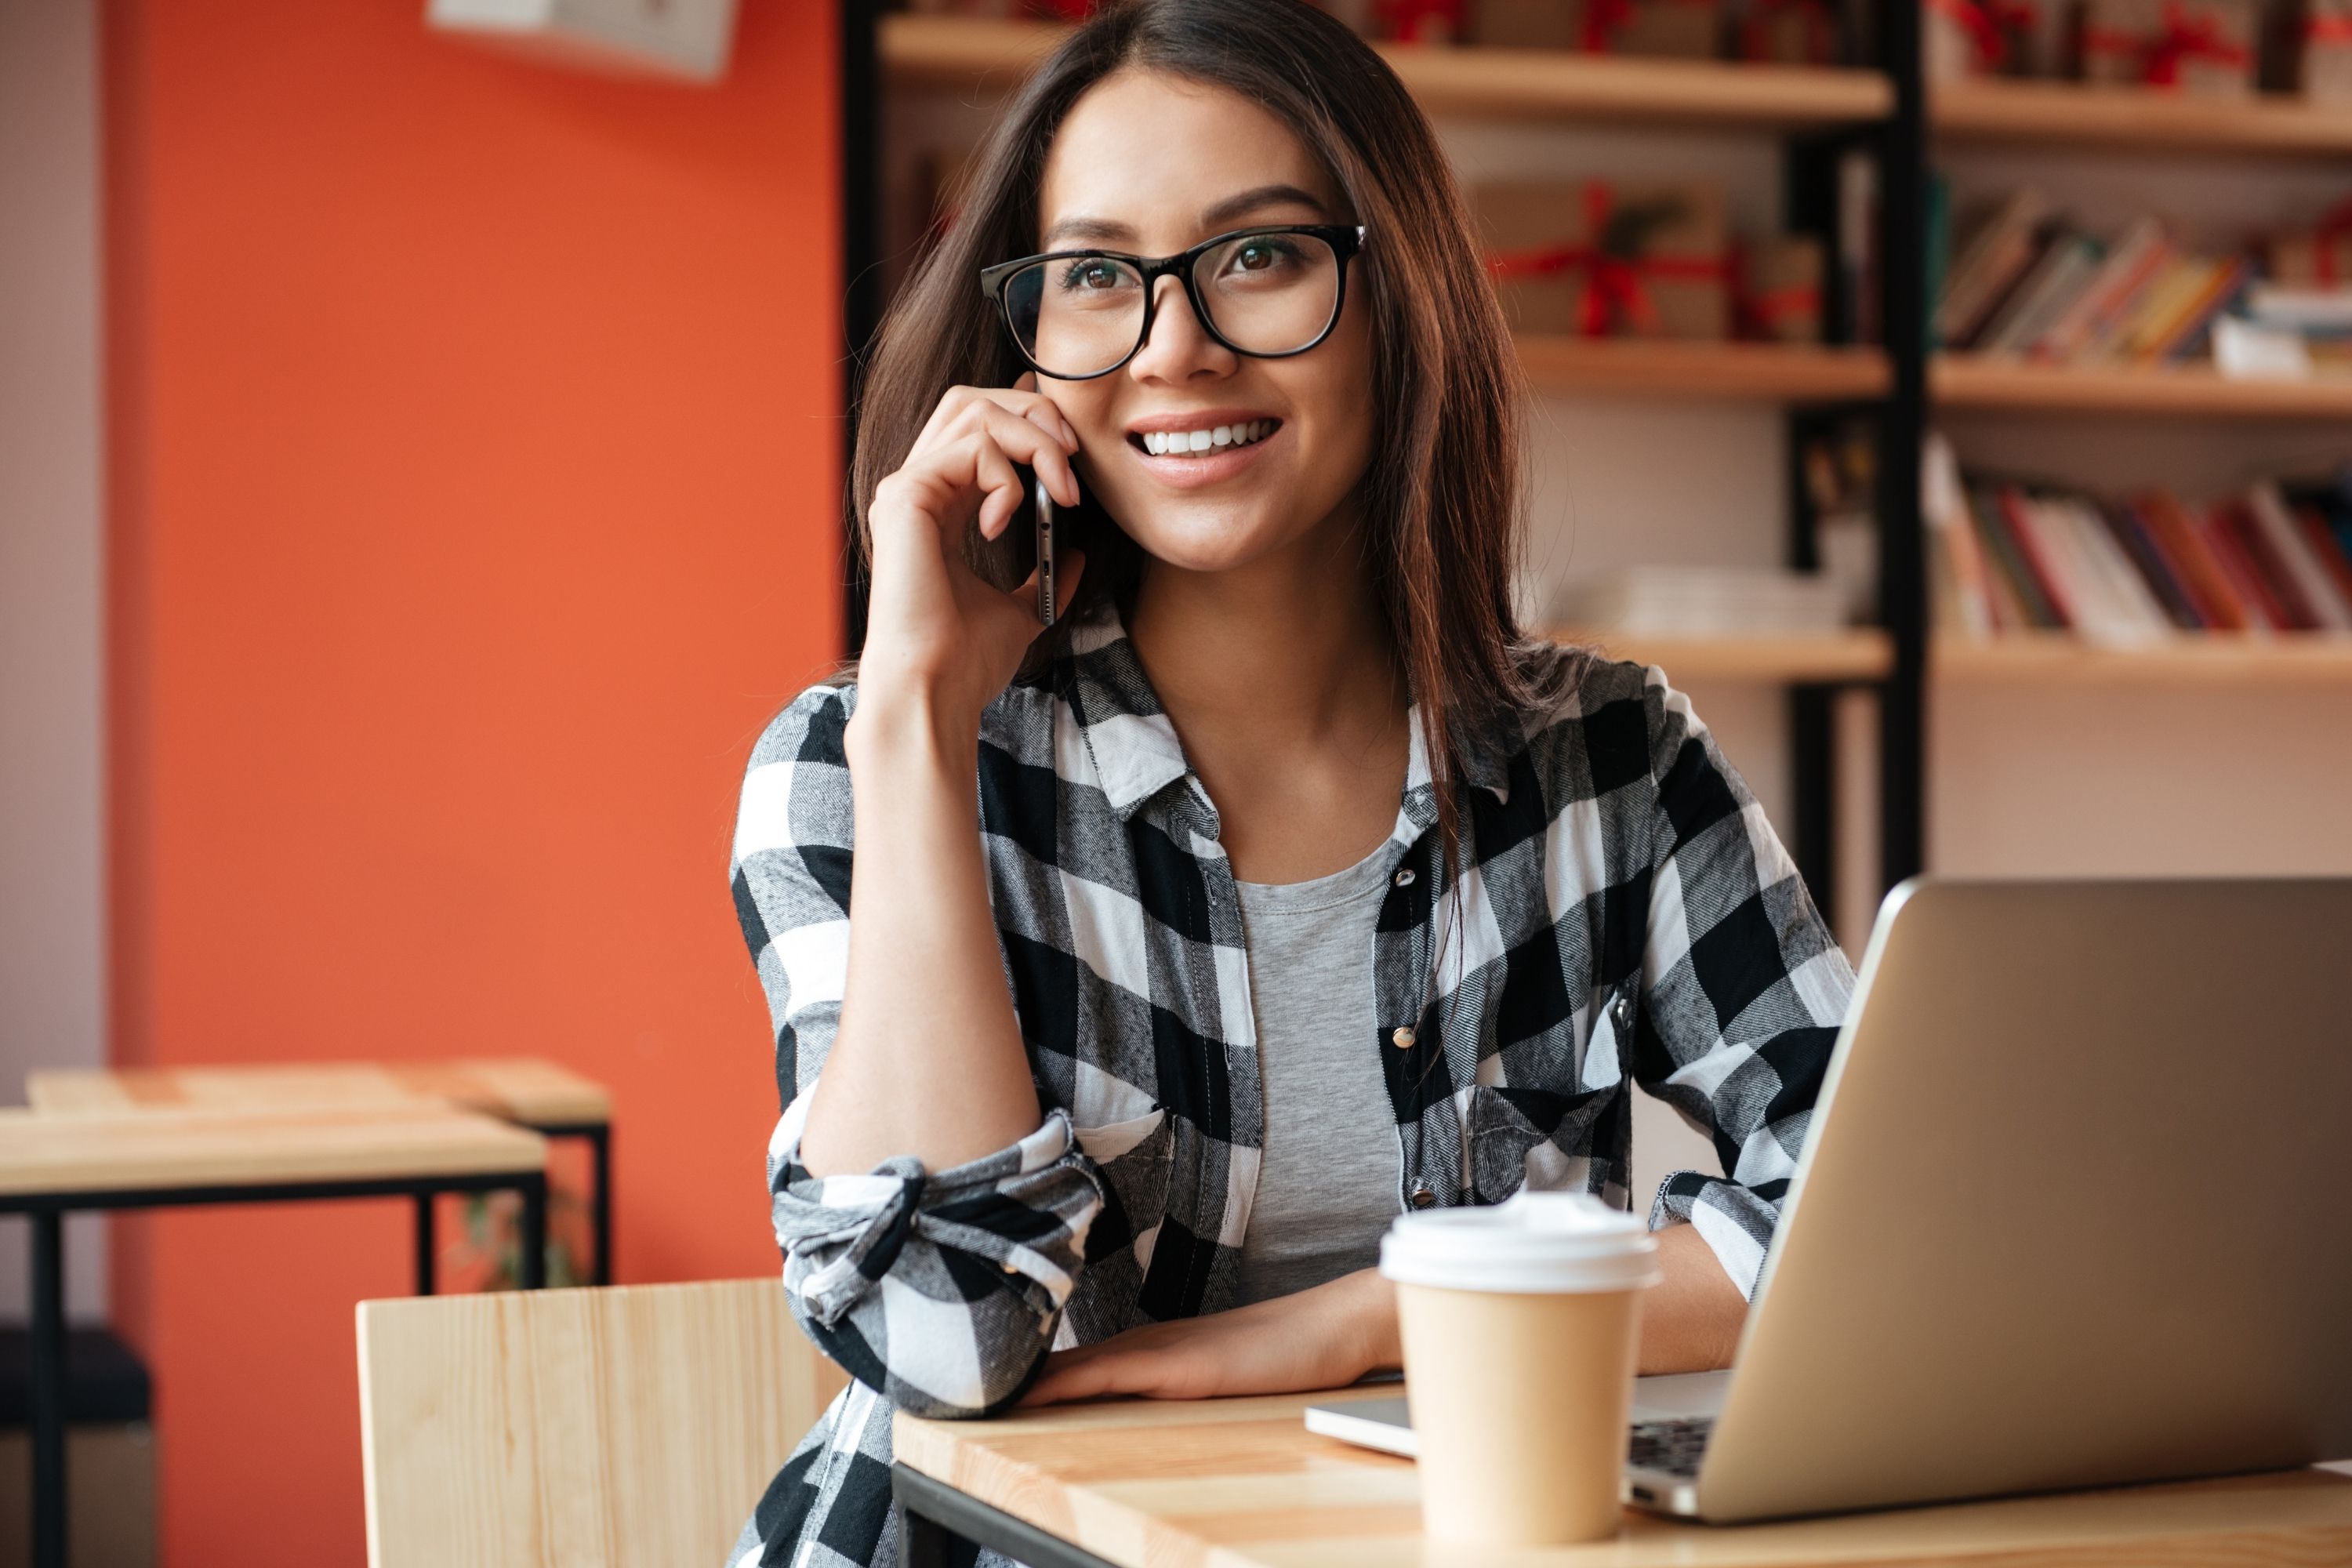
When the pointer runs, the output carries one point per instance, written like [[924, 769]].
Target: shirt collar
[[1132, 744]]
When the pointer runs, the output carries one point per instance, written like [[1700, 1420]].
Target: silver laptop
[[2074, 1212]]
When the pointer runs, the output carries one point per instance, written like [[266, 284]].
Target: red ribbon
[[2160, 57], [1603, 18], [1986, 27], [1613, 283], [1422, 21], [1821, 29], [2333, 225], [2332, 29]]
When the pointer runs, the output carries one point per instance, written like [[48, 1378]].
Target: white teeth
[[1169, 442]]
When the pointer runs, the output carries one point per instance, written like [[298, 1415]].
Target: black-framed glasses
[[1267, 292]]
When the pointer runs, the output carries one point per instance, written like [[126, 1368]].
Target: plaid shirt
[[1626, 915]]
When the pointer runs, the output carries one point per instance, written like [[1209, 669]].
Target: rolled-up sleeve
[[1744, 990], [941, 1289]]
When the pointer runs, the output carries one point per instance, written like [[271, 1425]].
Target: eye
[[1263, 253], [1087, 274]]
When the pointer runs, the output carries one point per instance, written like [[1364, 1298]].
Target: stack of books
[[1704, 600], [2012, 556], [2025, 281]]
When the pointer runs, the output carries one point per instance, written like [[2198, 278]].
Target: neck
[[1290, 649]]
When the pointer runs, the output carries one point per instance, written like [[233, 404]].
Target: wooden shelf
[[2129, 118], [2045, 657], [1861, 653], [965, 54], [1969, 380], [1787, 372]]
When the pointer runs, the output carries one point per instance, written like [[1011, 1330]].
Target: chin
[[1207, 539]]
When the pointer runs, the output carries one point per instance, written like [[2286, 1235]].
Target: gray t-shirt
[[1327, 1184]]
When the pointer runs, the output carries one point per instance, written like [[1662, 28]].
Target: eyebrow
[[1213, 216]]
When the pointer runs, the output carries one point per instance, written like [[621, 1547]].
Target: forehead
[[1149, 152]]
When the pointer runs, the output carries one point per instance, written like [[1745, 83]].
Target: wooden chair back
[[598, 1428]]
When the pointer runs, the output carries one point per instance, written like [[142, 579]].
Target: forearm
[[928, 1061], [1690, 1319]]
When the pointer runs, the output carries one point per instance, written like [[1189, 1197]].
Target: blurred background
[[421, 451]]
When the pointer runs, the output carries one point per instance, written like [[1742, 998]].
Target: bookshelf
[[1975, 380], [1769, 373], [983, 55], [1818, 113], [1860, 654], [2138, 119], [2316, 658]]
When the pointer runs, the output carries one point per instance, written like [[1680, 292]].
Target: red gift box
[[2204, 48], [1790, 32], [1610, 261], [1979, 37], [1670, 29]]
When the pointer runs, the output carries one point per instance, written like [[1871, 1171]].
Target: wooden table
[[53, 1165], [1241, 1483], [545, 1097]]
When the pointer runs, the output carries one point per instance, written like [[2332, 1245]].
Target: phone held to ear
[[1048, 604]]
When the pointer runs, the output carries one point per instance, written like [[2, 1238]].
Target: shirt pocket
[[1540, 1139], [1135, 1159]]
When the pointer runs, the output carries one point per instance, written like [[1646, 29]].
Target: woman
[[1304, 890]]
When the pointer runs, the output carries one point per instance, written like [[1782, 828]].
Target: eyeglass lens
[[1266, 294]]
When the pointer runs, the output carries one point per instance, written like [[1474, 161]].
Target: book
[[2001, 247], [2063, 271], [2016, 599], [1967, 601], [2267, 511], [2186, 334], [2162, 306], [2325, 548], [2132, 537], [2012, 509], [2175, 533], [2218, 525], [2129, 258]]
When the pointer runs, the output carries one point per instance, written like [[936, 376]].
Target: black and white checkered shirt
[[1626, 916]]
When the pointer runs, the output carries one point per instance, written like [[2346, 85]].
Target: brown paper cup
[[1521, 1372]]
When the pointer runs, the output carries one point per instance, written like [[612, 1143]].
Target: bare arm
[[928, 1061], [1332, 1335]]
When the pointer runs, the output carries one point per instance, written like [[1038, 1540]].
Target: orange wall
[[474, 470]]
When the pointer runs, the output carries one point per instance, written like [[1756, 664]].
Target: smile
[[1205, 440]]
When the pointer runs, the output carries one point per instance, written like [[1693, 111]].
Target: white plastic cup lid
[[1534, 1244]]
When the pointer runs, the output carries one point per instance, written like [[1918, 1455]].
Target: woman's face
[[1150, 166]]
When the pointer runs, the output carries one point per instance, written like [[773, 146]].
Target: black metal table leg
[[937, 1525], [427, 1247], [49, 1388], [534, 1231], [600, 1153]]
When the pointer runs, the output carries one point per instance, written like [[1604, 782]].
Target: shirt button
[[1622, 1010], [1422, 1197], [1402, 1038], [1404, 877]]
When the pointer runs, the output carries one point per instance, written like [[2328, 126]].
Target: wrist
[[898, 721], [1371, 1320]]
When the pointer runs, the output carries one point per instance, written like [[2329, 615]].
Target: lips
[[1197, 468], [1203, 437]]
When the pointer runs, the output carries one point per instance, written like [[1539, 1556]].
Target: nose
[[1178, 347]]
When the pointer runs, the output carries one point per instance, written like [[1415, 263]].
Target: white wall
[[52, 802]]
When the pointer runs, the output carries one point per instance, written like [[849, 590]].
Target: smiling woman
[[1280, 887]]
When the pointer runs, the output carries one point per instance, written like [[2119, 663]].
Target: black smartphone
[[1049, 601]]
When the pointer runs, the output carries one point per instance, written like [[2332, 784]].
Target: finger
[[1027, 441], [993, 473], [1027, 382]]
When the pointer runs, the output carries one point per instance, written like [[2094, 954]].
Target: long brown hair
[[1440, 496]]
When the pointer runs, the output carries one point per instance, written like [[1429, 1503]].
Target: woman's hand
[[935, 631], [1324, 1338]]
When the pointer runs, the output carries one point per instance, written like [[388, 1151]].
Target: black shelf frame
[[1899, 145]]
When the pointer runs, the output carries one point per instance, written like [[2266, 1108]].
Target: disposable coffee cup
[[1521, 1326]]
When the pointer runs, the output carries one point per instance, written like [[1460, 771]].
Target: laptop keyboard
[[1673, 1447]]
